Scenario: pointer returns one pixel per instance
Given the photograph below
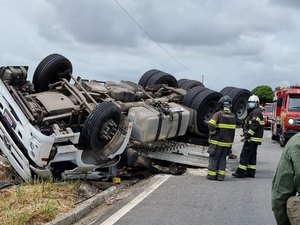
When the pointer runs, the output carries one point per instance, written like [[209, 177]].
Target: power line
[[151, 37]]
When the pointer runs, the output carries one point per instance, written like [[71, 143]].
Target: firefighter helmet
[[225, 101], [253, 101]]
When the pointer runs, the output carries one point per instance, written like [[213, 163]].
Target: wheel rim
[[209, 111], [281, 139], [241, 109], [108, 130]]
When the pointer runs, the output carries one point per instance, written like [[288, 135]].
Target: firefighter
[[253, 129], [222, 129], [286, 184]]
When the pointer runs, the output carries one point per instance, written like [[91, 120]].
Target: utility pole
[[202, 79]]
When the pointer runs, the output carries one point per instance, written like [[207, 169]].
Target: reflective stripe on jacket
[[254, 126], [222, 128]]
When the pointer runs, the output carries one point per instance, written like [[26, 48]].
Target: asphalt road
[[192, 199]]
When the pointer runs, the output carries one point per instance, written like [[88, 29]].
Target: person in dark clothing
[[222, 130], [253, 129]]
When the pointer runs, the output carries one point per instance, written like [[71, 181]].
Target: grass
[[37, 202]]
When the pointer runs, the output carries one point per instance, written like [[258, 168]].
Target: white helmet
[[253, 101], [253, 98]]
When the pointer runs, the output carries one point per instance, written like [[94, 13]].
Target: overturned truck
[[65, 127]]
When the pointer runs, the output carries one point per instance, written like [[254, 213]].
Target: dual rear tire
[[239, 98]]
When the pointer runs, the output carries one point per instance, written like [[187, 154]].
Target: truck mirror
[[279, 102]]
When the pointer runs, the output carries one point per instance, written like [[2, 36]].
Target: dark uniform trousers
[[247, 165], [217, 161]]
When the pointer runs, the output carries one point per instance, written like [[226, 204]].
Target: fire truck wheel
[[162, 78], [100, 126], [282, 140], [191, 94], [226, 90], [189, 84], [50, 70], [146, 76], [205, 103]]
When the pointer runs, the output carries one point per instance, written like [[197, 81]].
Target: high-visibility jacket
[[222, 128], [254, 126]]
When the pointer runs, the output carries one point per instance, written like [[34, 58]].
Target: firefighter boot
[[211, 175], [239, 173], [250, 173], [220, 177]]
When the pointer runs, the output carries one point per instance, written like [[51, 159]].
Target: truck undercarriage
[[66, 127]]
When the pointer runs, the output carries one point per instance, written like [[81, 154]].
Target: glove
[[211, 150], [247, 136]]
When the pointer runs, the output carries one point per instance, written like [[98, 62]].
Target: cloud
[[229, 42], [288, 3]]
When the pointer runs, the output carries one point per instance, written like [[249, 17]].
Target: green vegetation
[[36, 203], [265, 93]]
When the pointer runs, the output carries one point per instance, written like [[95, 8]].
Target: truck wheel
[[181, 82], [240, 102], [282, 140], [50, 70], [239, 98], [191, 94], [100, 126], [146, 76], [226, 90], [189, 84], [205, 103], [162, 78]]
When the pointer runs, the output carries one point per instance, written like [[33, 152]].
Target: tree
[[265, 93]]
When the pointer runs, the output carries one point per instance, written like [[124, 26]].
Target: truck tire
[[103, 119], [181, 82], [191, 94], [162, 78], [146, 76], [226, 90], [205, 103], [50, 70], [189, 84], [240, 100], [282, 139]]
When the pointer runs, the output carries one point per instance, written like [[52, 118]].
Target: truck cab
[[286, 115]]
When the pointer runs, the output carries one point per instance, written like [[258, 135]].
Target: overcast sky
[[230, 42]]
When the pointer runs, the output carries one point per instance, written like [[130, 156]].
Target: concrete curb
[[83, 209]]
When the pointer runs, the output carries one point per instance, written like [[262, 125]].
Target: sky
[[220, 42]]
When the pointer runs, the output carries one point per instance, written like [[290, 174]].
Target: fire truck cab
[[286, 115]]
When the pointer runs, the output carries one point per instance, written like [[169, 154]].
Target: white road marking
[[119, 214]]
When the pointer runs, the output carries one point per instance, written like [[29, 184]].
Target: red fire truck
[[286, 115]]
